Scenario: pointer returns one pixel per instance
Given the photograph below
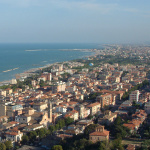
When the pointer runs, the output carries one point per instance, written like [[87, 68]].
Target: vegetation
[[89, 129], [92, 96], [2, 146], [145, 145], [118, 130], [60, 124], [8, 145], [43, 132], [141, 86], [65, 76], [25, 139], [57, 147]]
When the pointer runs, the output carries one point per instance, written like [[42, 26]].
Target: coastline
[[32, 71]]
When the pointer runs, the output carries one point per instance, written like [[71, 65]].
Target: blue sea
[[21, 57]]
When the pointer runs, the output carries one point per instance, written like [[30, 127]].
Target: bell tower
[[50, 110]]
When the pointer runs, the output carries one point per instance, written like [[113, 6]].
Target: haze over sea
[[21, 57]]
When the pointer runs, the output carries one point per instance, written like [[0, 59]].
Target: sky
[[74, 21]]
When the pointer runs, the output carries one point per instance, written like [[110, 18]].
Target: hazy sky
[[84, 21]]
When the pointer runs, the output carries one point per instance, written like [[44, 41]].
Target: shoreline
[[33, 70]]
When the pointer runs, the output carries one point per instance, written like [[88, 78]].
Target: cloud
[[20, 3], [88, 5], [132, 10]]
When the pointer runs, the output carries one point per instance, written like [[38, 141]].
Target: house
[[130, 147], [137, 120], [72, 114], [33, 127], [84, 122], [126, 105], [10, 125], [100, 134], [23, 118], [61, 109], [94, 108], [8, 91], [107, 118], [133, 125], [72, 130], [32, 117], [40, 106], [14, 135]]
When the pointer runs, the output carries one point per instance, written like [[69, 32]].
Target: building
[[61, 109], [94, 108], [9, 109], [40, 106], [33, 127], [13, 81], [47, 75], [33, 117], [59, 87], [84, 122], [105, 100], [72, 114], [57, 67], [100, 134], [147, 107], [81, 109], [134, 96], [14, 135], [107, 118]]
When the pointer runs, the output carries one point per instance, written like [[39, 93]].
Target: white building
[[61, 109], [134, 96], [14, 135], [147, 107]]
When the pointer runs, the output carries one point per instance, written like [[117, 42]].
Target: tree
[[25, 139], [68, 121], [116, 144], [57, 147], [42, 132], [32, 136], [93, 96], [102, 146], [2, 146], [41, 83], [118, 121], [8, 145], [81, 144], [146, 144], [89, 129], [61, 123], [51, 129], [137, 106]]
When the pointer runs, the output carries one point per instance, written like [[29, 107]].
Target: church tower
[[50, 110]]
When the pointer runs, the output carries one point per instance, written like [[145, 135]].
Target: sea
[[20, 57]]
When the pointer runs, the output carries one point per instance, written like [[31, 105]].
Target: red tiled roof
[[104, 133], [93, 104], [12, 133], [13, 122]]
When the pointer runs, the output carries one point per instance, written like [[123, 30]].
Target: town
[[97, 102]]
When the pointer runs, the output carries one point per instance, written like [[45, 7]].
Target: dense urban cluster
[[98, 102]]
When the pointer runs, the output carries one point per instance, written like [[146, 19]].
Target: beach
[[32, 71]]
